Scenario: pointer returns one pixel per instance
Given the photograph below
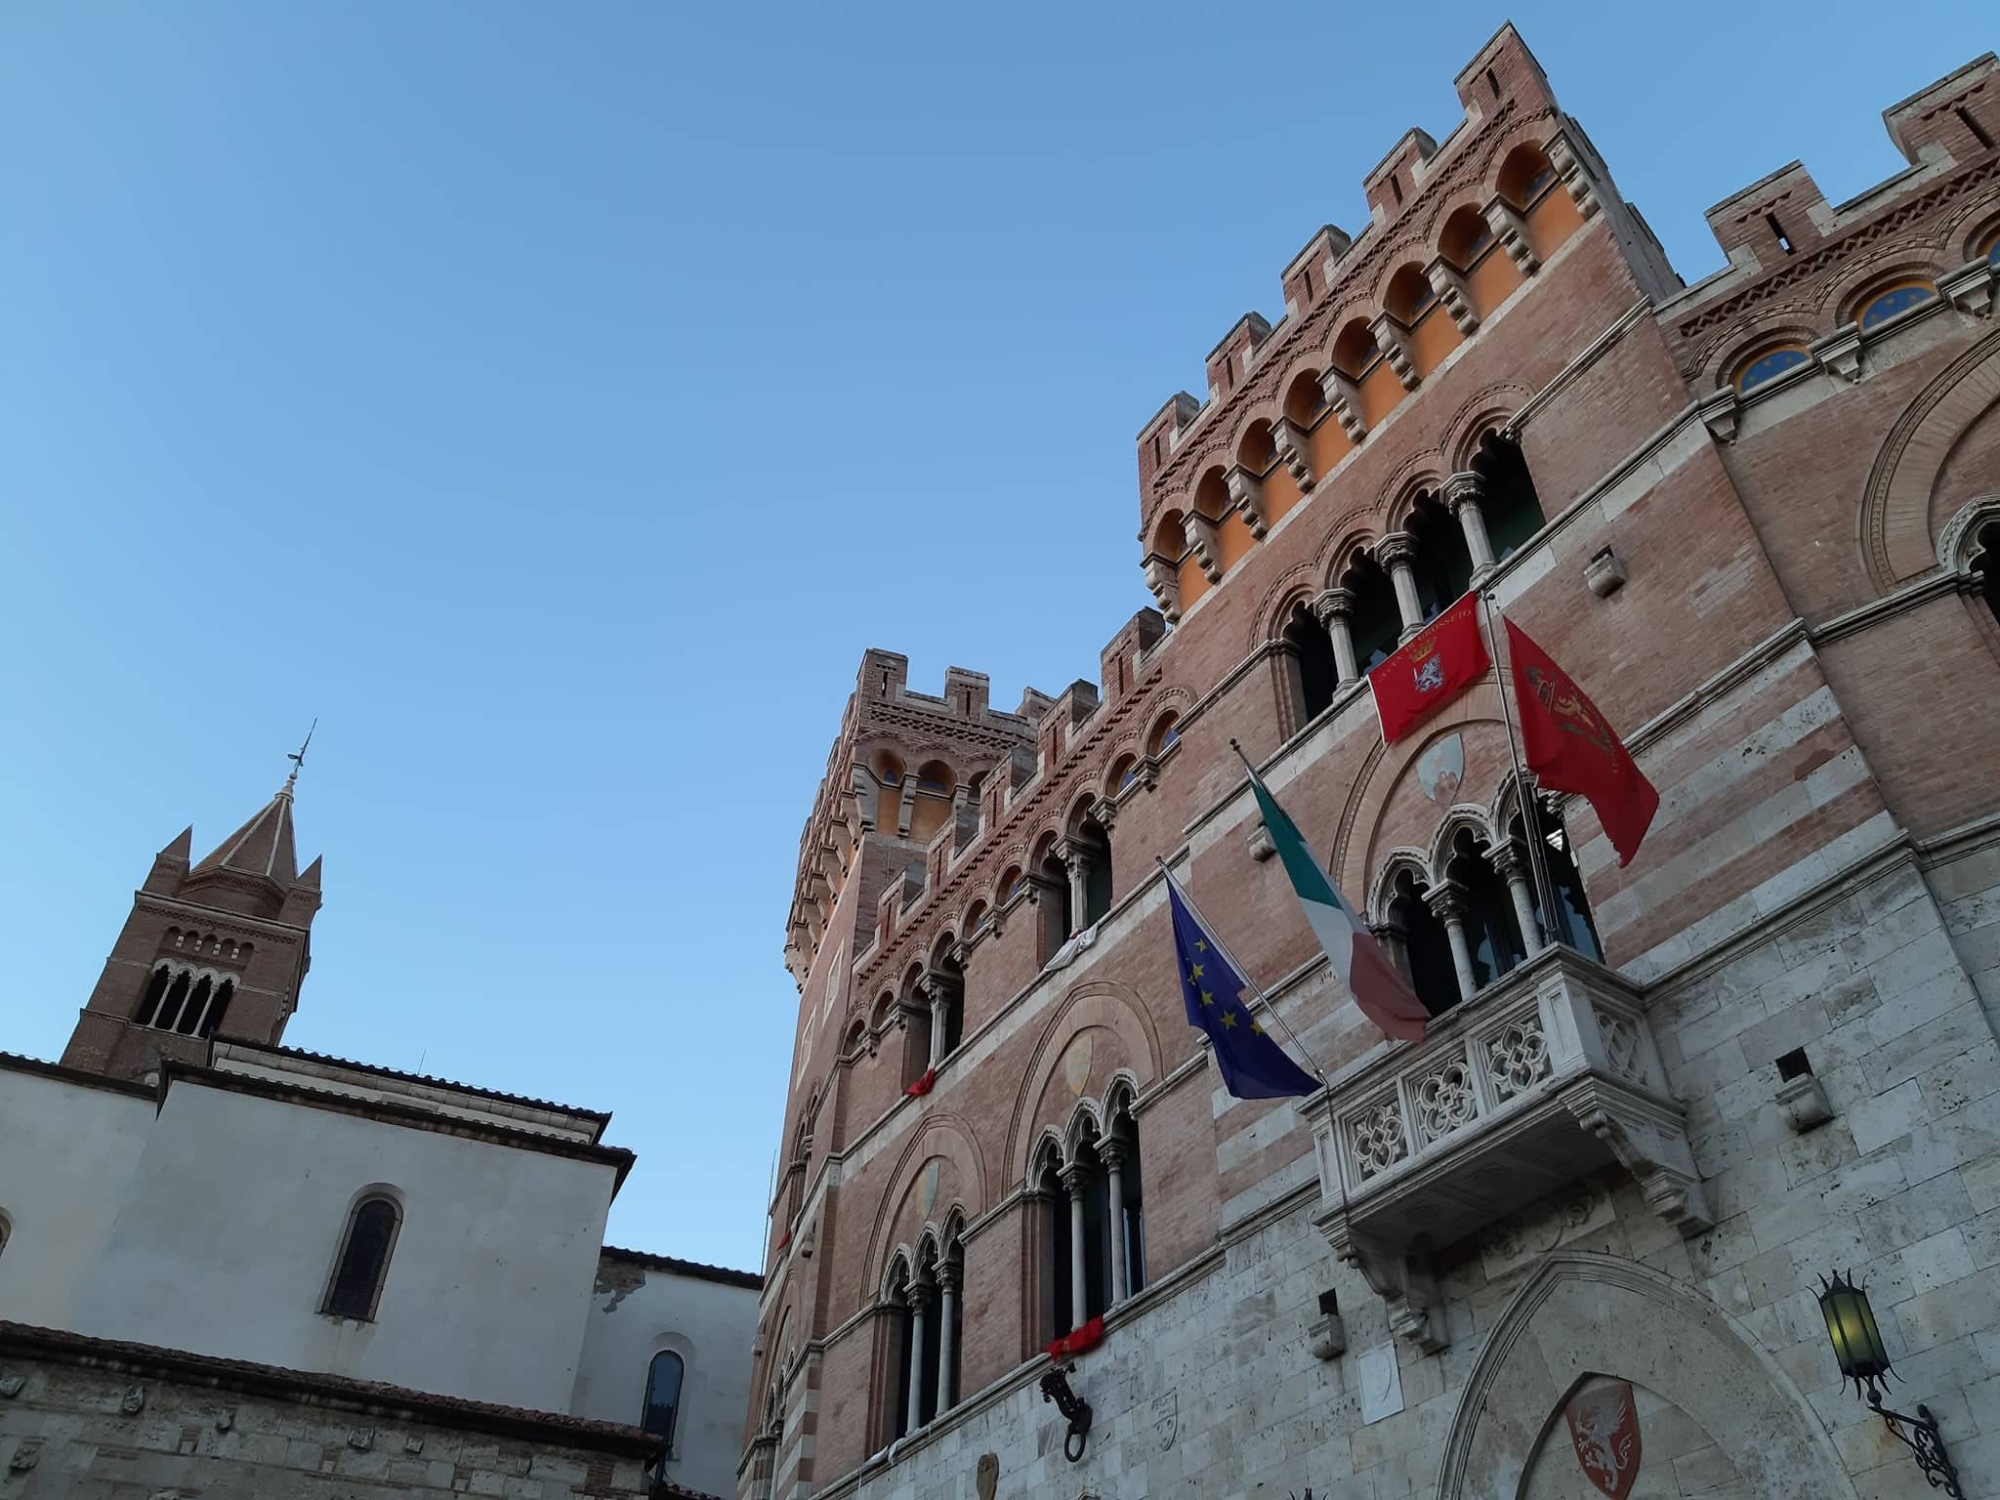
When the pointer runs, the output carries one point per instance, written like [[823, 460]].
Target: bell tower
[[215, 948]]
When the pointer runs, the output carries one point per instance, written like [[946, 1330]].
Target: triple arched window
[[662, 1410], [355, 1289], [1093, 1235], [926, 1333], [191, 1002]]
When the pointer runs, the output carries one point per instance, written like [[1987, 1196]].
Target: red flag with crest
[[1571, 748], [1439, 662]]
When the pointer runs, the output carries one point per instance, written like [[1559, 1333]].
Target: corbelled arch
[[1894, 524], [1581, 1314], [1096, 1003]]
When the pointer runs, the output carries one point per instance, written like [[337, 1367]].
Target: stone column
[[947, 1332], [1449, 904], [940, 1008], [1334, 609], [1463, 493], [1511, 860], [920, 1297], [1076, 859], [1076, 1179], [1113, 1153], [1397, 553]]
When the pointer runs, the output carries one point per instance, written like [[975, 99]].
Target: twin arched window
[[663, 1396], [356, 1287]]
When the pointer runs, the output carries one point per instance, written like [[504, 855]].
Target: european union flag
[[1253, 1065]]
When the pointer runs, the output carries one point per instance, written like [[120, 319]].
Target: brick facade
[[1798, 642]]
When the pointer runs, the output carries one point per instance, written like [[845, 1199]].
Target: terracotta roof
[[425, 1078], [263, 846], [695, 1268], [369, 1396]]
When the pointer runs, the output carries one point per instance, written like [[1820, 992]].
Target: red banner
[[1078, 1340], [923, 1085], [1570, 748], [1440, 662]]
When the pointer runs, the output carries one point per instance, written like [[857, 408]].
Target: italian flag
[[1350, 947]]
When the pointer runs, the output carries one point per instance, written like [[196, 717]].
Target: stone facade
[[1752, 517], [85, 1418]]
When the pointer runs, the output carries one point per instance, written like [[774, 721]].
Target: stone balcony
[[1546, 1075]]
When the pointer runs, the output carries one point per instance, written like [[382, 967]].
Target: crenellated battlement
[[1810, 284], [1454, 228]]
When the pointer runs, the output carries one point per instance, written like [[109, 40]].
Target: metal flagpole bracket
[[1075, 1410]]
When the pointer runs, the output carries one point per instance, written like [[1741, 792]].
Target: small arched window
[[663, 1396], [1166, 732], [1770, 365], [1897, 299], [364, 1259]]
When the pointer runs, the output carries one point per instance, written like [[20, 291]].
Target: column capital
[[1074, 854], [1075, 1178], [1114, 1153], [949, 1275], [1510, 858], [922, 1295], [1447, 901], [1396, 548], [1464, 487], [1333, 604]]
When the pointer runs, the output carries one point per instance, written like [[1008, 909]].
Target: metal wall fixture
[[1864, 1359], [1075, 1410]]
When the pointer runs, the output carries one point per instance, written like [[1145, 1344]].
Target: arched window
[[1091, 843], [1124, 773], [363, 1265], [156, 991], [1166, 734], [1510, 506], [218, 1007], [196, 1008], [1465, 237], [1314, 669], [1769, 365], [1885, 305], [1443, 565], [1409, 296], [663, 1396], [1491, 930], [902, 1356], [1425, 946], [1377, 622], [1355, 351], [1525, 175], [1572, 924], [1986, 563], [1052, 894], [1093, 1222]]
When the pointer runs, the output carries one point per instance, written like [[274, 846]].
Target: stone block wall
[[84, 1419]]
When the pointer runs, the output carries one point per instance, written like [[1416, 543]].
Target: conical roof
[[263, 846]]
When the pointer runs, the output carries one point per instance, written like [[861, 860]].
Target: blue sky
[[556, 400]]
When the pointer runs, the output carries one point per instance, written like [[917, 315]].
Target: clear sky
[[555, 400]]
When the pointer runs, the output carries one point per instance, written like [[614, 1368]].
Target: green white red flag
[[1351, 949]]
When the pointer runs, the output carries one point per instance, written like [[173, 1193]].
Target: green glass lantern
[[1857, 1341]]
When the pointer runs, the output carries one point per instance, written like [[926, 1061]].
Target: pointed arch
[[941, 1134], [1100, 1003], [1582, 1313]]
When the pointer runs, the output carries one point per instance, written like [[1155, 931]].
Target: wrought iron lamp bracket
[[1921, 1436]]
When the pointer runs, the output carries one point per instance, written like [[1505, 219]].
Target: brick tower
[[217, 948]]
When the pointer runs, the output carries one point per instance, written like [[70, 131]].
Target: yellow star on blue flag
[[1253, 1066]]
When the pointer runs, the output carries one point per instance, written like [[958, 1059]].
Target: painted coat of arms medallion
[[1604, 1430]]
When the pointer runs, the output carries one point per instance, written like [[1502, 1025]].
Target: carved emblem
[[1076, 1065], [986, 1477], [1441, 769], [134, 1400], [1166, 1419], [1604, 1429]]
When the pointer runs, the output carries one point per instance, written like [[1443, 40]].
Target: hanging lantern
[[1857, 1341]]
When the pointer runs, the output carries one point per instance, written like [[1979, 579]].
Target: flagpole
[[1270, 1005], [1530, 805]]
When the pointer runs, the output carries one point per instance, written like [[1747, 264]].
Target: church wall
[[71, 1149], [638, 1310], [240, 1202]]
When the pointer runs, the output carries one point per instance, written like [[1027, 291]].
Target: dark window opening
[[1055, 1200], [1491, 930], [1443, 565], [190, 1018], [1794, 1064], [663, 1396], [218, 1008], [1572, 924], [364, 1260], [1492, 83], [149, 1003], [1784, 240], [1965, 118], [1329, 1304], [1426, 948], [1098, 890], [1054, 897], [899, 1388], [1132, 1218], [1096, 1240], [1512, 509], [927, 1372], [1376, 622], [1313, 664], [1988, 568]]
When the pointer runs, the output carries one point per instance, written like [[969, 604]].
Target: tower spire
[[298, 757]]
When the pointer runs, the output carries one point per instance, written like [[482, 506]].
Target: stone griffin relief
[[1604, 1430]]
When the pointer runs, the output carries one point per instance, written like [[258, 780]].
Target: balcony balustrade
[[1546, 1075]]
